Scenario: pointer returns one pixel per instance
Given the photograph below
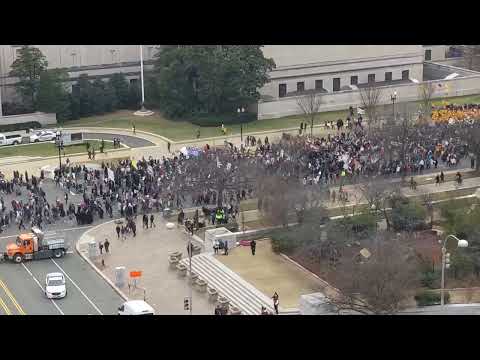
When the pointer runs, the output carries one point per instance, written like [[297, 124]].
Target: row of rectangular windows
[[282, 88]]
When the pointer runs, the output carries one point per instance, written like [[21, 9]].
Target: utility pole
[[190, 270]]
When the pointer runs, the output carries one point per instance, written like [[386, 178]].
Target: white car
[[55, 287], [135, 307], [43, 136]]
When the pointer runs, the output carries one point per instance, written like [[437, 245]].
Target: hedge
[[20, 126], [212, 120], [428, 298]]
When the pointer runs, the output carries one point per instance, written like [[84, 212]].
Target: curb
[[125, 130], [98, 271]]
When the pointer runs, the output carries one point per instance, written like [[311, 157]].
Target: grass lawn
[[184, 130], [49, 149]]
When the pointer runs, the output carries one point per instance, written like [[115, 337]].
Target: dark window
[[336, 84], [318, 84], [371, 78], [405, 74], [133, 81], [353, 80], [75, 89], [300, 86], [428, 54], [12, 136], [282, 90], [388, 76]]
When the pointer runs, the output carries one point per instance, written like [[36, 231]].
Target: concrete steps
[[228, 284]]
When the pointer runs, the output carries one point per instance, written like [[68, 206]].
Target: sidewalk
[[148, 252]]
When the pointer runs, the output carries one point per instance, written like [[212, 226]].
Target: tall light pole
[[241, 111], [141, 75], [190, 295], [59, 144], [142, 111], [393, 97], [446, 261]]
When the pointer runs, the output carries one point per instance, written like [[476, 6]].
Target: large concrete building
[[335, 71], [93, 60], [332, 68]]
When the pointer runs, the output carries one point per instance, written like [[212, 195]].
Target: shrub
[[363, 225], [409, 216], [214, 120], [284, 241], [430, 279], [20, 126], [428, 298]]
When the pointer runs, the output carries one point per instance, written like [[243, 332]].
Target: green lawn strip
[[183, 130], [49, 149], [178, 130]]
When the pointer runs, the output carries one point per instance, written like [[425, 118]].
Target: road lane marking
[[78, 288], [12, 298], [59, 230], [43, 290], [5, 307]]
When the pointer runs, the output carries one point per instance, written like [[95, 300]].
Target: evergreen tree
[[28, 66]]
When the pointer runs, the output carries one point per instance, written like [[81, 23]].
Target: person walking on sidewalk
[[168, 146], [107, 245], [152, 218], [100, 246], [225, 248], [437, 180], [442, 177], [117, 229], [145, 221], [276, 302], [253, 246], [133, 129]]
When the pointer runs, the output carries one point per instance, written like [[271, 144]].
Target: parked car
[[10, 139], [43, 135], [55, 287]]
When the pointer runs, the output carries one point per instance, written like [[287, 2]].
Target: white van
[[10, 139], [135, 307]]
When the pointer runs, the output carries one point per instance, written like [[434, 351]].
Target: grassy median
[[49, 149]]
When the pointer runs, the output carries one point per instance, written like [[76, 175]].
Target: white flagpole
[[141, 74]]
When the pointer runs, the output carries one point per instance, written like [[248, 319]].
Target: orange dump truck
[[34, 246]]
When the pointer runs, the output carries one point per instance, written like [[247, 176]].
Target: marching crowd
[[456, 113]]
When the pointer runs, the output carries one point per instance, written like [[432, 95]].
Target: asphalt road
[[130, 141], [22, 286]]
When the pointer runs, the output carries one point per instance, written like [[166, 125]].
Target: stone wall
[[341, 100]]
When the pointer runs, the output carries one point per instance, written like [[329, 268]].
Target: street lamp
[[461, 243], [59, 145], [393, 97], [241, 111]]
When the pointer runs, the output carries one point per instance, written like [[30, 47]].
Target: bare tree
[[379, 285], [378, 194], [426, 91], [310, 105], [370, 97]]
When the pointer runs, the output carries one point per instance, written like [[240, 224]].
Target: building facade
[[333, 68], [93, 60]]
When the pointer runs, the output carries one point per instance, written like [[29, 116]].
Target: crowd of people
[[456, 113]]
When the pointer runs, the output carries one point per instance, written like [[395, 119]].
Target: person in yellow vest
[[218, 216]]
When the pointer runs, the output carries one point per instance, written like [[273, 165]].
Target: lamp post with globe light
[[393, 97], [239, 112], [461, 243]]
